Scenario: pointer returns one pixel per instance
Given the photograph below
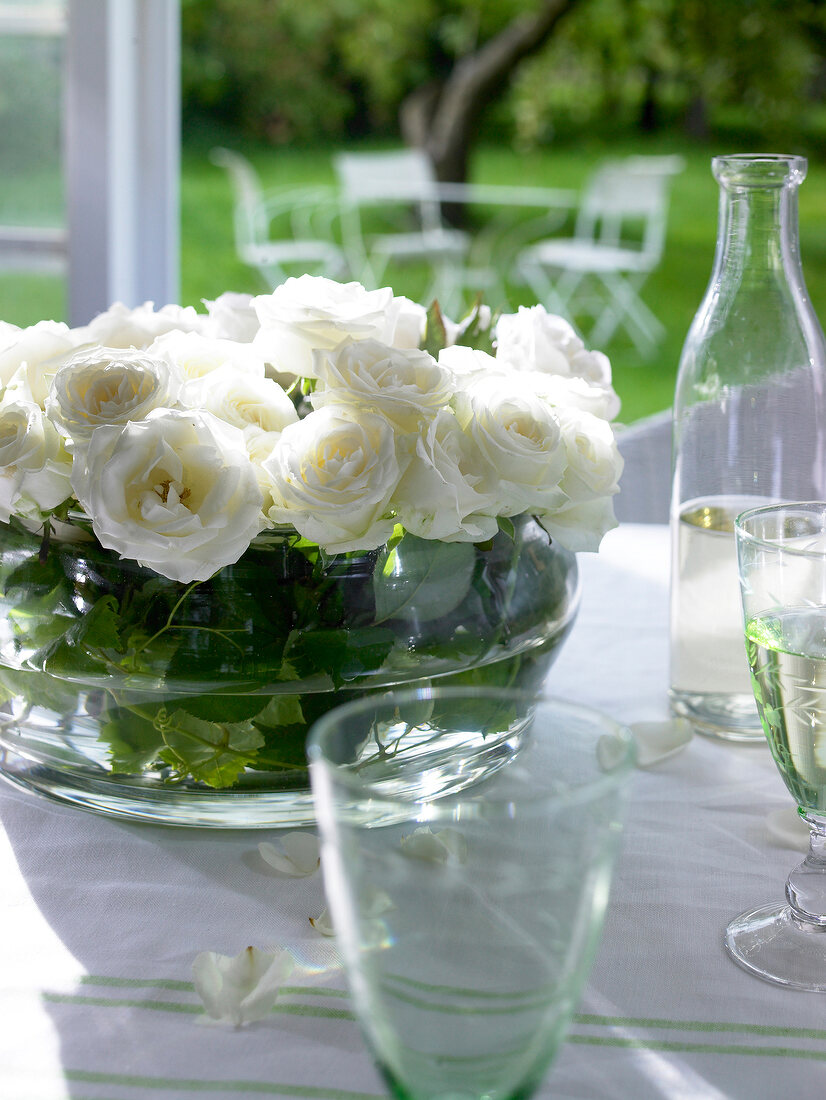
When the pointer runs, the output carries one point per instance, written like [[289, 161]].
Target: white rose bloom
[[231, 317], [244, 400], [594, 461], [405, 323], [576, 393], [312, 313], [580, 525], [533, 339], [193, 355], [122, 327], [332, 477], [35, 470], [406, 385], [176, 492], [30, 358], [9, 333], [466, 363], [518, 434], [441, 494], [98, 386]]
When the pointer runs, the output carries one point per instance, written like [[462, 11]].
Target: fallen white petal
[[657, 741], [787, 828], [436, 847], [323, 923], [237, 989], [298, 854], [375, 902]]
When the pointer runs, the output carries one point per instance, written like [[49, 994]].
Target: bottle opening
[[759, 169]]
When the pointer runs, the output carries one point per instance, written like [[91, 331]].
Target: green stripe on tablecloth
[[90, 1077], [189, 987], [582, 1019], [676, 1047], [317, 1011], [700, 1025]]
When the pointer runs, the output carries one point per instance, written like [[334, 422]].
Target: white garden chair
[[399, 180], [645, 485], [307, 250], [618, 241]]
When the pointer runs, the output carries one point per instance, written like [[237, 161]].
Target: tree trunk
[[441, 118]]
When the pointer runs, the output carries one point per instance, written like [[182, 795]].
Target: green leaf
[[342, 655], [427, 580], [281, 710], [214, 752], [506, 526], [89, 645], [134, 742], [435, 332]]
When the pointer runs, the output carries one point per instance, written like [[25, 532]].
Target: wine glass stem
[[806, 885]]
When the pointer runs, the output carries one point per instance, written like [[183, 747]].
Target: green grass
[[209, 264]]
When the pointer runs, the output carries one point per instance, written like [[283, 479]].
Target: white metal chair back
[[645, 485], [405, 178], [304, 250], [620, 199], [619, 239], [404, 175]]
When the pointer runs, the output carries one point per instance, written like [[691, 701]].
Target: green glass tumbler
[[468, 837]]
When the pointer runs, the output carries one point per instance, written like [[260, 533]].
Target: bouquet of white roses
[[322, 407], [215, 525]]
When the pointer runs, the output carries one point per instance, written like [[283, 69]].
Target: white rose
[[405, 323], [594, 460], [576, 393], [35, 470], [122, 327], [98, 386], [231, 317], [332, 477], [533, 339], [31, 359], [312, 313], [9, 333], [441, 494], [176, 492], [244, 400], [518, 434], [580, 525], [464, 363], [405, 385], [193, 355]]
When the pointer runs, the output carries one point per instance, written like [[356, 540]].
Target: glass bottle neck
[[758, 234]]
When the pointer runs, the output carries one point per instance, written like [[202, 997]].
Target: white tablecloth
[[100, 921]]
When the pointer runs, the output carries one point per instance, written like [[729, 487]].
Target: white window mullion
[[122, 153]]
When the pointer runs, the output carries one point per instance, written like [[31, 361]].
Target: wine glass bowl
[[468, 906], [781, 553]]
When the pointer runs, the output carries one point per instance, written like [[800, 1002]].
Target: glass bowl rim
[[618, 732]]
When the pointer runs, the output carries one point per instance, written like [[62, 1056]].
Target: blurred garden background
[[292, 83]]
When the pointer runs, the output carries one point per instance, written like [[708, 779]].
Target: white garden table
[[100, 921]]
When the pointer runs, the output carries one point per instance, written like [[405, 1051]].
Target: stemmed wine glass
[[781, 552], [467, 843]]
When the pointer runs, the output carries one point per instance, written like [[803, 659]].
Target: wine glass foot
[[772, 944]]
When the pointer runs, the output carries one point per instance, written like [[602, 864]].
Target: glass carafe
[[749, 428]]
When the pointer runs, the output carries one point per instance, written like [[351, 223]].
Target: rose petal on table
[[657, 741], [323, 923], [436, 847], [787, 828], [237, 989], [298, 854]]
